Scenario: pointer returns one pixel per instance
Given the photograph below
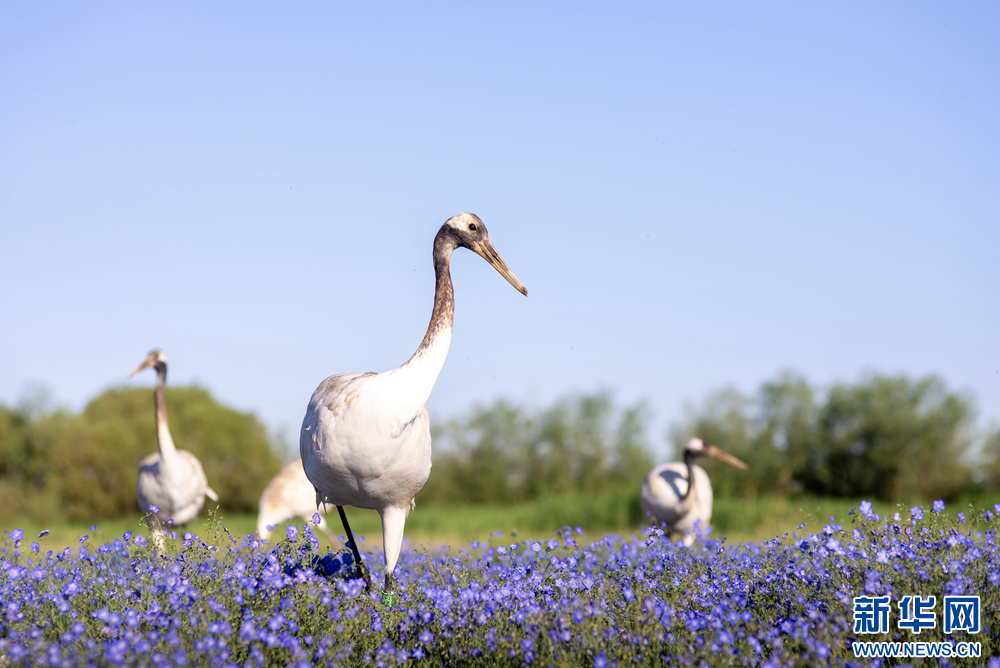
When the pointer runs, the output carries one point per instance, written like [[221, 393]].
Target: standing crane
[[172, 480], [669, 495], [289, 494], [366, 437]]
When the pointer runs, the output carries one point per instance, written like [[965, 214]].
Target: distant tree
[[786, 421], [15, 456], [886, 437], [991, 460], [891, 438], [571, 449], [95, 455], [630, 457], [479, 459], [26, 437], [505, 454]]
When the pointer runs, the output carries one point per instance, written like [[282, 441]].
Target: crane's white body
[[679, 494], [662, 496], [366, 437], [175, 483], [288, 495], [172, 480]]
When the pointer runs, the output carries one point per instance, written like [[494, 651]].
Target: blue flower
[[917, 513], [938, 506]]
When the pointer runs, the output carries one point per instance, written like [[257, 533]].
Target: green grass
[[430, 527]]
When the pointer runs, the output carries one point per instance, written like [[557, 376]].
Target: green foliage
[[882, 438], [26, 439], [991, 457], [85, 465], [891, 438], [508, 454]]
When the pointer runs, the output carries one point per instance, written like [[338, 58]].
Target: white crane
[[366, 438], [171, 479], [289, 494], [668, 495]]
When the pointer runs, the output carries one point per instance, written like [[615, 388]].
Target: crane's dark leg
[[354, 548]]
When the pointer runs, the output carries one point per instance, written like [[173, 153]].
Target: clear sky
[[695, 195]]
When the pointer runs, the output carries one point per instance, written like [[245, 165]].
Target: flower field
[[224, 600]]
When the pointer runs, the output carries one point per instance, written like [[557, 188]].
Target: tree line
[[892, 438], [884, 437]]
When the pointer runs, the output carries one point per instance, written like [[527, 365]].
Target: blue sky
[[695, 195]]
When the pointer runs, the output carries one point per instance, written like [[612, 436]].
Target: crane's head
[[155, 358], [467, 230], [696, 447]]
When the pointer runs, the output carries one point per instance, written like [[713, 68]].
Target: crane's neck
[[167, 449], [439, 328], [415, 379], [689, 494]]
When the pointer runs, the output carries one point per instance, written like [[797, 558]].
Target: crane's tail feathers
[[210, 493]]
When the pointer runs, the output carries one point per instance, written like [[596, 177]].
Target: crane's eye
[[472, 226]]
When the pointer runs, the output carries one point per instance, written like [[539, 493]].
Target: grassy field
[[431, 527]]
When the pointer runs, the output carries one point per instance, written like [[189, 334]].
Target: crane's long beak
[[724, 456], [489, 253], [145, 365]]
